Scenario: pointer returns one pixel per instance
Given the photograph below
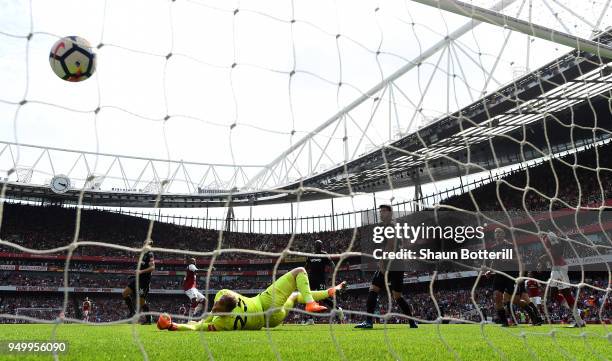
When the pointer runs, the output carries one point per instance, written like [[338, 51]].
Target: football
[[72, 59]]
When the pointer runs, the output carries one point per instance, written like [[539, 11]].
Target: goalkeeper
[[250, 313]]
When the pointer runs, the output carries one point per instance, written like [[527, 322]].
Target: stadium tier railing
[[310, 224]]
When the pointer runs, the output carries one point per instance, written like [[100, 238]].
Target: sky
[[246, 114]]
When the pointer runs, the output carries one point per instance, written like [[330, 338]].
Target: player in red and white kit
[[86, 309], [196, 298], [533, 290], [559, 279]]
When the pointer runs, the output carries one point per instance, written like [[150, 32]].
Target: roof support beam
[[496, 18], [375, 89]]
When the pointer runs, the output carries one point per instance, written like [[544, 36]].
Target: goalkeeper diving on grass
[[249, 313]]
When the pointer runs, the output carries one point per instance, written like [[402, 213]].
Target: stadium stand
[[34, 281]]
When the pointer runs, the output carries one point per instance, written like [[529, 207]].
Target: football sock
[[534, 308], [316, 295], [561, 300], [570, 299], [532, 316], [371, 304], [130, 304], [501, 314], [507, 307], [145, 308], [576, 313], [405, 307], [509, 310], [303, 286]]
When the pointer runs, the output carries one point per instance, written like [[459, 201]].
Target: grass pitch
[[321, 342]]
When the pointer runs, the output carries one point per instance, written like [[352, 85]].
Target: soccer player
[[317, 273], [196, 298], [503, 286], [534, 292], [267, 309], [555, 247], [378, 281], [86, 309], [147, 266], [316, 267]]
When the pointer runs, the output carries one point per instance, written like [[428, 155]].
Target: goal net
[[488, 118]]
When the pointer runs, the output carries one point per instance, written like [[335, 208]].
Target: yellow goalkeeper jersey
[[243, 316]]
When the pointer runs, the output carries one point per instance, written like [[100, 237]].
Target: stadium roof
[[550, 110]]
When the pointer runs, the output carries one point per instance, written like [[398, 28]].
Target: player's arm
[[331, 263], [194, 268], [211, 324], [215, 324], [209, 318]]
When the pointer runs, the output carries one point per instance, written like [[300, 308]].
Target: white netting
[[215, 81]]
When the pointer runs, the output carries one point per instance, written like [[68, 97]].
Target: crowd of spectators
[[45, 227], [92, 280], [553, 184]]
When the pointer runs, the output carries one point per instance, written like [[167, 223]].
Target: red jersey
[[533, 289], [86, 306], [555, 246], [189, 281]]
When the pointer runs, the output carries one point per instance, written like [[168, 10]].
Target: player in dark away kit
[[316, 266], [396, 278], [144, 272]]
